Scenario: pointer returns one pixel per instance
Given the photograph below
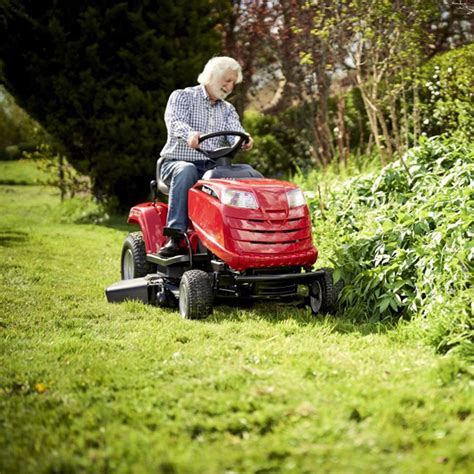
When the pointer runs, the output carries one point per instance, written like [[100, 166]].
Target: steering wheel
[[226, 151]]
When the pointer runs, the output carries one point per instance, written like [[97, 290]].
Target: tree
[[385, 39], [277, 38], [324, 49], [97, 75], [446, 94], [244, 38]]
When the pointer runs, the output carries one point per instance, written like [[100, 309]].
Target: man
[[190, 113]]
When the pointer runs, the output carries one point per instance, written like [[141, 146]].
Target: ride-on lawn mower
[[248, 238]]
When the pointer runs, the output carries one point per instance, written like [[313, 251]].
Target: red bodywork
[[151, 218], [273, 235]]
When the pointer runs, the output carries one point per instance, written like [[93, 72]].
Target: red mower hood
[[273, 234]]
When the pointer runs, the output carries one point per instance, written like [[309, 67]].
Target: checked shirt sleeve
[[177, 115], [233, 123]]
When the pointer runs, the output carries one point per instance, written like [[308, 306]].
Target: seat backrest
[[162, 186]]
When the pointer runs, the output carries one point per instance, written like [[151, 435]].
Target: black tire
[[324, 294], [195, 295], [316, 297], [133, 262]]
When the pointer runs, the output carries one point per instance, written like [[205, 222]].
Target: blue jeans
[[180, 177]]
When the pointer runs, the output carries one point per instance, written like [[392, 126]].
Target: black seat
[[160, 184]]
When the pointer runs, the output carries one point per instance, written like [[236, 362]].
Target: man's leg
[[180, 177]]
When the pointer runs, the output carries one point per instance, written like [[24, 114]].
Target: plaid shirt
[[190, 110]]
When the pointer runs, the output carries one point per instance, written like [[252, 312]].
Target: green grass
[[86, 386], [22, 172]]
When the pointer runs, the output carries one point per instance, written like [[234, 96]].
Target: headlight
[[295, 198], [232, 197]]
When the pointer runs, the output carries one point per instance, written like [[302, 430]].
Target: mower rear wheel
[[316, 297], [195, 295], [133, 262], [324, 293]]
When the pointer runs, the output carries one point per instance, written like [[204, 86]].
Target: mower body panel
[[273, 235], [151, 218]]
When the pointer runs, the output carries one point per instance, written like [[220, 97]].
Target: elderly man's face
[[223, 85]]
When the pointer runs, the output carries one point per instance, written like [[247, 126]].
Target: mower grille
[[274, 289], [271, 235]]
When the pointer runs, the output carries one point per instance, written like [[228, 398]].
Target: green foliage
[[60, 173], [280, 148], [404, 238], [18, 131], [355, 121], [98, 75], [450, 325], [447, 92]]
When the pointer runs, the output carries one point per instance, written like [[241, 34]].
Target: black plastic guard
[[134, 289]]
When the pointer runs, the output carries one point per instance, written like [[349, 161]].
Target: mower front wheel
[[195, 295], [134, 263]]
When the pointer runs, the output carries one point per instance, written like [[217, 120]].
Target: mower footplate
[[177, 259]]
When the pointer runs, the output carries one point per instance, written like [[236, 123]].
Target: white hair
[[217, 67]]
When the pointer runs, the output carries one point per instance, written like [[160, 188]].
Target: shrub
[[404, 236], [447, 93], [60, 172], [279, 149]]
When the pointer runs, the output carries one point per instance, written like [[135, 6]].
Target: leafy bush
[[447, 93], [404, 237], [78, 203], [61, 174], [279, 149], [83, 210]]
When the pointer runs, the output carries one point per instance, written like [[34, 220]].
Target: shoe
[[170, 249]]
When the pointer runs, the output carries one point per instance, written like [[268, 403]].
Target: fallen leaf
[[40, 387]]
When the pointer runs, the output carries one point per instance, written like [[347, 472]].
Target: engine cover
[[270, 236]]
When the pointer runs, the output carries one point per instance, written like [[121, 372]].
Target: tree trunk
[[406, 127], [395, 126], [372, 116], [61, 177], [386, 134], [324, 146], [416, 113], [341, 135]]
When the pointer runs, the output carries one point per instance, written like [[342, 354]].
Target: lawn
[[22, 172], [86, 386]]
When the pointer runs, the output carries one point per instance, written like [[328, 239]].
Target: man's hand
[[249, 145], [193, 140]]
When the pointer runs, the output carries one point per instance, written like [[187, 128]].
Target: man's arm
[[233, 123], [177, 118]]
